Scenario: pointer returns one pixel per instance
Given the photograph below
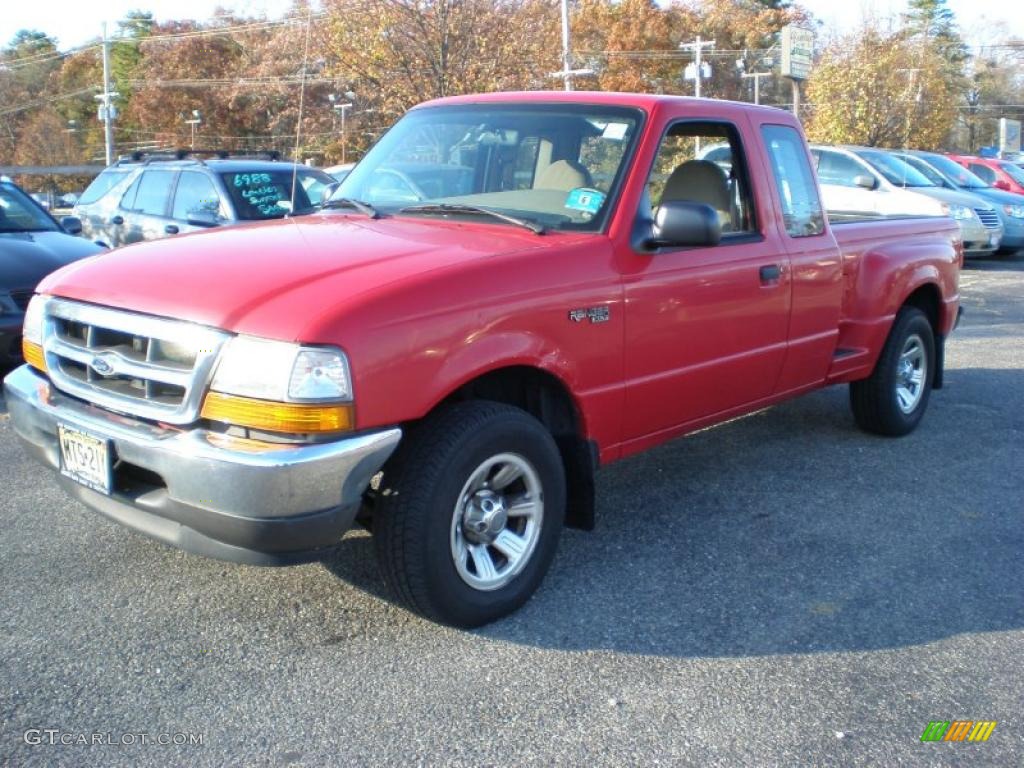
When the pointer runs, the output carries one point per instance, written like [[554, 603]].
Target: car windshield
[[19, 214], [102, 184], [553, 165], [926, 170], [1015, 172], [953, 170], [893, 169], [267, 194]]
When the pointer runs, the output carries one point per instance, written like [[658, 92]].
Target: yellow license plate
[[84, 458]]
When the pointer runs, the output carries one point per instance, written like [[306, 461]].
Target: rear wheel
[[893, 399], [469, 513]]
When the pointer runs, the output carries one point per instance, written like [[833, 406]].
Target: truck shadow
[[1013, 262], [792, 532]]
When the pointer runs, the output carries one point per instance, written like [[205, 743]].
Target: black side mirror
[[329, 190], [71, 224], [203, 218], [682, 223], [865, 181]]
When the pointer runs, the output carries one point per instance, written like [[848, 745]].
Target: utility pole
[[757, 83], [698, 49], [568, 72], [106, 100]]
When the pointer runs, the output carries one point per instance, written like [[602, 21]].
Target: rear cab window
[[794, 181]]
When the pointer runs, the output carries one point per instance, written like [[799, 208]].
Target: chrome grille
[[988, 217], [141, 365]]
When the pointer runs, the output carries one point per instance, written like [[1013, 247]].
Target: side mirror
[[1001, 184], [329, 190], [71, 224], [203, 218], [682, 223], [865, 181]]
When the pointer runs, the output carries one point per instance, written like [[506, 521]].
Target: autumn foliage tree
[[881, 89]]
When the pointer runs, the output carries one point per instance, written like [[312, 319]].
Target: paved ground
[[780, 591]]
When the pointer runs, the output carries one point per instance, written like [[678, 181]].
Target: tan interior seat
[[700, 181], [563, 175]]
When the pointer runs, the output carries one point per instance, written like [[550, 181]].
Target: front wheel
[[469, 513], [893, 399]]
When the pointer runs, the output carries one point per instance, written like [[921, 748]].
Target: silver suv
[[154, 196]]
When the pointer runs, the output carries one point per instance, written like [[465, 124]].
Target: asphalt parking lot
[[782, 590]]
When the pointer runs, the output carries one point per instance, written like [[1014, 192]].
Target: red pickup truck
[[507, 292]]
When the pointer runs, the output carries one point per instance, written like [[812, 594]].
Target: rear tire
[[469, 513], [893, 399]]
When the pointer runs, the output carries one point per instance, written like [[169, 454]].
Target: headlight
[[1014, 210], [32, 334], [958, 212], [280, 371], [276, 386], [33, 328]]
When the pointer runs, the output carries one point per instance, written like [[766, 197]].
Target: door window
[[703, 163], [801, 207], [195, 195], [154, 189], [838, 169], [987, 174]]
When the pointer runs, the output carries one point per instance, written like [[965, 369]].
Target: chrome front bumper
[[233, 499]]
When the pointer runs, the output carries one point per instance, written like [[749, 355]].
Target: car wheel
[[893, 399], [469, 512]]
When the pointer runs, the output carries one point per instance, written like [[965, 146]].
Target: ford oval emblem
[[101, 366]]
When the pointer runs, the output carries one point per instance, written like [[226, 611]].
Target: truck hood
[[272, 279], [27, 257]]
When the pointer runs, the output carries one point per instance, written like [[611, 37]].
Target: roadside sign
[[797, 51], [1009, 136]]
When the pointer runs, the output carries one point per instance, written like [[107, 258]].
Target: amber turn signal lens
[[297, 418], [33, 355]]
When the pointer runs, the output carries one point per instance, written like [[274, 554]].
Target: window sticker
[[585, 199], [615, 131]]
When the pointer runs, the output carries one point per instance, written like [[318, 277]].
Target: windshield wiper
[[534, 226], [350, 202]]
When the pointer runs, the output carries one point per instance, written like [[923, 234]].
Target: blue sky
[[73, 22]]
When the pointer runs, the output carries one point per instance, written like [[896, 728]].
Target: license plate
[[84, 458]]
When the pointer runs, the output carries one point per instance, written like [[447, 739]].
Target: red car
[[1001, 174], [511, 290]]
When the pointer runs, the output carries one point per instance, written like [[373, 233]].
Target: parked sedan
[[866, 180], [945, 172], [32, 244]]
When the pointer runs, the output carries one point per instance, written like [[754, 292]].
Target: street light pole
[[196, 120]]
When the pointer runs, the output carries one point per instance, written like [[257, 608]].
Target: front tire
[[893, 399], [469, 513]]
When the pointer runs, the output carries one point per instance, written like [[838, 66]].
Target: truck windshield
[[893, 169], [19, 214], [953, 170], [554, 165]]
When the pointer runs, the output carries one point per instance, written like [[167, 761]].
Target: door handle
[[771, 273], [117, 220], [171, 229]]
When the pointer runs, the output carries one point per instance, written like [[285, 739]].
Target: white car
[[874, 182]]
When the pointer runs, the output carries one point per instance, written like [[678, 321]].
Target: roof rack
[[196, 155]]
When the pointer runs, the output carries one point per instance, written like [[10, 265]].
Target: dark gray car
[[146, 198], [32, 245]]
